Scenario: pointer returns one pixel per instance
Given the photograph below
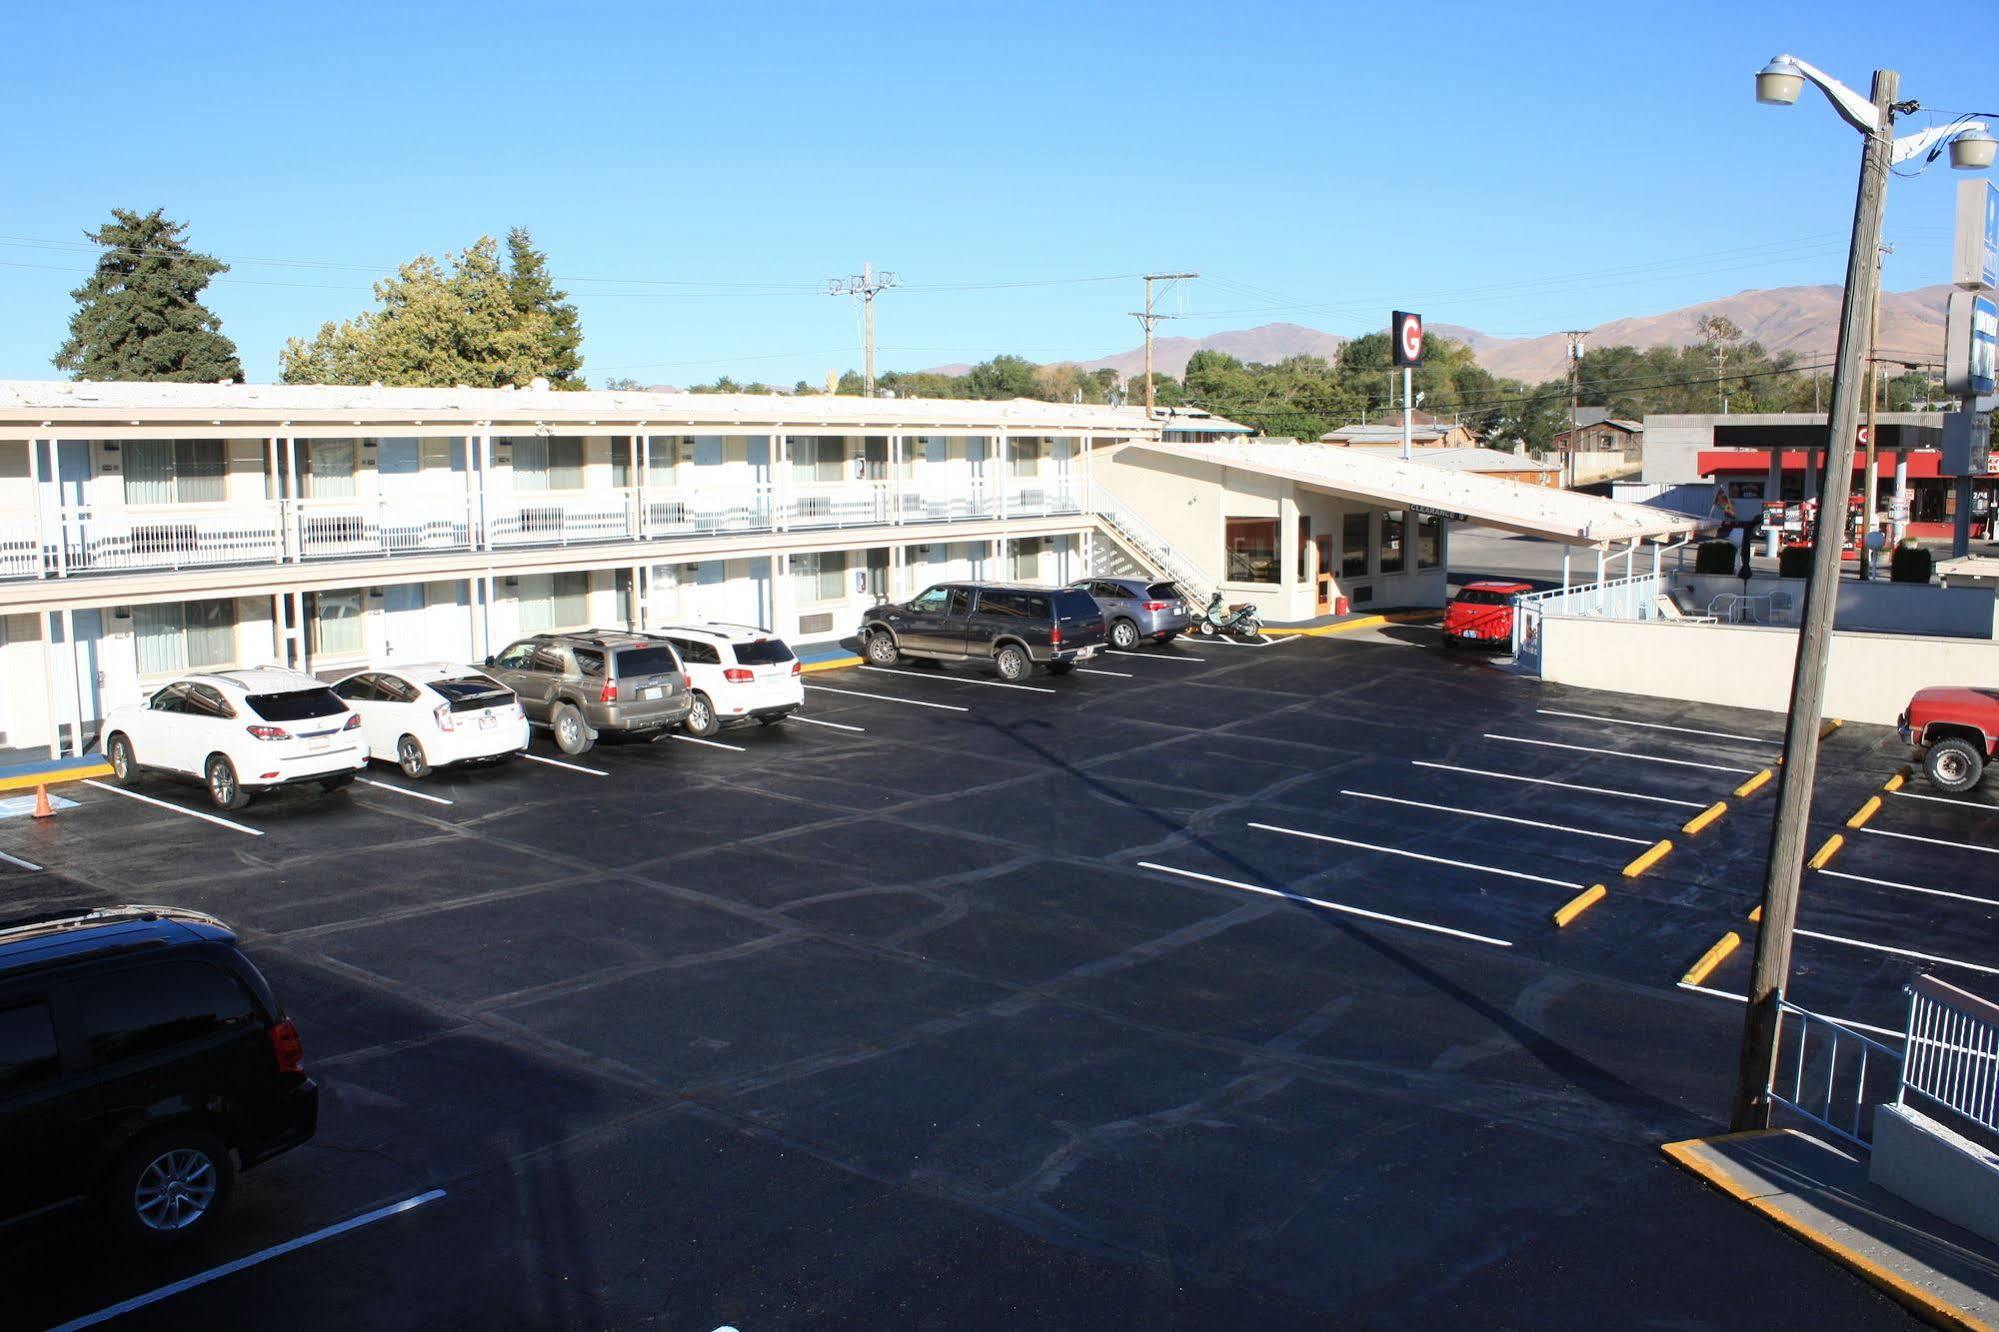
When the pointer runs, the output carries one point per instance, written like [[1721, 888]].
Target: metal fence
[[1831, 1074], [1633, 598], [1952, 1051]]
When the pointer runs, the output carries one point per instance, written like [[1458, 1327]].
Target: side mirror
[[489, 661]]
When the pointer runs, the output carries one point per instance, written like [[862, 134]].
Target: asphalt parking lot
[[1215, 984]]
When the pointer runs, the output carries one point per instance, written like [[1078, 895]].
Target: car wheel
[[881, 649], [336, 781], [1954, 765], [411, 758], [170, 1186], [1061, 667], [1011, 663], [701, 719], [223, 788], [123, 766], [571, 735], [1124, 635]]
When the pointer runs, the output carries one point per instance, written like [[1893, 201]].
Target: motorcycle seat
[[1240, 607]]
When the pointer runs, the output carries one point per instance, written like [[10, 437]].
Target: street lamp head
[[1973, 150], [1780, 82]]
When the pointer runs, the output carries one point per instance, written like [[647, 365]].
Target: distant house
[[1597, 431], [1425, 432], [1191, 425]]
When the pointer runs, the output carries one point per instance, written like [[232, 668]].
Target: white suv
[[240, 732], [435, 714], [738, 672]]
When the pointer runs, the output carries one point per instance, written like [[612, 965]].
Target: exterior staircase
[[1137, 550]]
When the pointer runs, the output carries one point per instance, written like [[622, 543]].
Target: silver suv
[[585, 684]]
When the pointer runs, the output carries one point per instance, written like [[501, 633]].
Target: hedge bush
[[1911, 564], [1794, 562], [1715, 557]]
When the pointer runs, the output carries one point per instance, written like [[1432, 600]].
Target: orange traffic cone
[[43, 809]]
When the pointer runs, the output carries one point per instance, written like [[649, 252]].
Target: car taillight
[[796, 669], [269, 732], [288, 1049], [443, 715], [737, 675], [686, 681], [1157, 605], [608, 694], [1055, 636], [353, 722]]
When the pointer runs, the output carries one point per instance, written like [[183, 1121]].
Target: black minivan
[[1015, 628], [143, 1061]]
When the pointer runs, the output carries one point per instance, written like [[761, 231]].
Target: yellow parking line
[[28, 781], [1647, 858], [1895, 783], [1712, 958], [1705, 817], [831, 664], [1580, 903], [1829, 850], [1865, 812], [1364, 622]]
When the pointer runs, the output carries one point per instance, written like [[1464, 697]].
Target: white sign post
[[1406, 331]]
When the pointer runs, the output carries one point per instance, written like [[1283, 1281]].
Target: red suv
[[1482, 612], [1953, 729]]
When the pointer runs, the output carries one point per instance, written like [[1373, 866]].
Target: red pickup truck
[[1954, 730]]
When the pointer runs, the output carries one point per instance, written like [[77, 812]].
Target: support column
[[641, 609], [41, 520], [780, 489], [301, 647], [783, 606], [999, 446], [1901, 505], [1811, 477], [1773, 484], [72, 696], [1287, 548], [48, 619]]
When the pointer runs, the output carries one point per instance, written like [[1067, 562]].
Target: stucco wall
[[1870, 679]]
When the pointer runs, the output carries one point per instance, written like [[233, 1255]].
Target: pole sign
[[1971, 345], [1967, 444], [1976, 263], [1406, 331]]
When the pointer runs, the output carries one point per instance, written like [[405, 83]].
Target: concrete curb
[[1922, 1303], [1755, 783], [1705, 817], [1578, 904], [54, 775], [1364, 622], [1712, 958], [1649, 857]]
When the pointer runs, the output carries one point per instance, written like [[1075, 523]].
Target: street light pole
[[1786, 866]]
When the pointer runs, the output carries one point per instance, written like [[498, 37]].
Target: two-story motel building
[[148, 529]]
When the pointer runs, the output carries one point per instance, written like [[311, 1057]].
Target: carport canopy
[[1554, 515]]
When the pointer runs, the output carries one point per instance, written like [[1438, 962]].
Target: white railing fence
[[163, 536], [1633, 598], [1142, 539], [1952, 1051], [1831, 1074], [382, 526], [561, 517]]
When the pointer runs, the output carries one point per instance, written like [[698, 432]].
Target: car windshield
[[763, 652], [1482, 596], [469, 693], [1163, 592], [296, 705], [646, 661]]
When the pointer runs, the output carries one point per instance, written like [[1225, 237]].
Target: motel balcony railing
[[117, 538]]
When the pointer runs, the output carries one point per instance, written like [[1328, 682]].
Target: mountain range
[[1804, 320]]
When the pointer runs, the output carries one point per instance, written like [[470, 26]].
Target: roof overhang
[[1540, 511]]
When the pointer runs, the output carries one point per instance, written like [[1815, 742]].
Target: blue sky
[[1513, 168]]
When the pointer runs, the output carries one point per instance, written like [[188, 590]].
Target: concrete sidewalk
[[1946, 1276]]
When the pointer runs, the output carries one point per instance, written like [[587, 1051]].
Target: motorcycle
[[1240, 619]]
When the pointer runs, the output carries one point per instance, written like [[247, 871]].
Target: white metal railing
[[20, 546], [711, 509], [561, 517], [1037, 498], [382, 526], [840, 504], [163, 536], [1144, 540], [1952, 1047], [1633, 598], [1835, 1073]]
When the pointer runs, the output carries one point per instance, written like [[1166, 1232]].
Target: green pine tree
[[140, 315], [545, 311]]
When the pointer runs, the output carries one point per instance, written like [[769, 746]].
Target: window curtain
[[569, 600], [199, 469], [530, 463], [336, 622], [149, 471], [330, 465], [156, 630], [565, 463]]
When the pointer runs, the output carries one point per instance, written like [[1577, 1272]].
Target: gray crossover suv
[[1014, 628], [584, 684], [1139, 608]]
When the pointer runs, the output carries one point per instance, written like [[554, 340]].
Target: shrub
[[1911, 564], [1794, 562], [1714, 557]]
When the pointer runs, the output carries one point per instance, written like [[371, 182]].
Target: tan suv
[[585, 684]]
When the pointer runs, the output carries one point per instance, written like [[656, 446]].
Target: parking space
[[1184, 989]]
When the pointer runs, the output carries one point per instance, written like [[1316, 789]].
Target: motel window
[[1252, 550], [1024, 558], [820, 575], [184, 635], [1429, 541], [936, 448], [330, 465], [1394, 541], [169, 471], [553, 601], [819, 457], [1024, 456], [336, 623], [1353, 545], [548, 462]]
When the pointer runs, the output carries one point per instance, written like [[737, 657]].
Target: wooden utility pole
[[1147, 320], [1786, 866], [865, 285], [1870, 486], [1575, 337]]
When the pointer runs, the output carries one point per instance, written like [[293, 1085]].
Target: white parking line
[[1844, 1022], [1321, 903], [1934, 841], [16, 860], [1566, 786], [558, 763], [1619, 753], [178, 809], [1174, 655], [1910, 887], [957, 679], [403, 790], [1658, 726], [889, 698], [814, 721], [1502, 818], [1948, 800], [1122, 675], [712, 744], [1899, 952], [1418, 855], [185, 1284]]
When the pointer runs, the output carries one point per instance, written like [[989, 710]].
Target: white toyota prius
[[435, 714]]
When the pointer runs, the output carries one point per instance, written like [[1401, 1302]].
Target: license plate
[[488, 723], [318, 745], [1086, 654], [1468, 633], [649, 692]]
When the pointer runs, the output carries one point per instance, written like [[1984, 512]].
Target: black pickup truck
[[1015, 628]]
